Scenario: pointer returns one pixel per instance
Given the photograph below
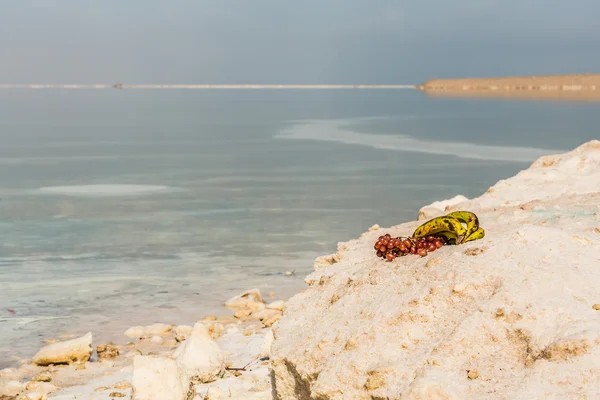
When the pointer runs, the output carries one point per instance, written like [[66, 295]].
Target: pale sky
[[293, 41]]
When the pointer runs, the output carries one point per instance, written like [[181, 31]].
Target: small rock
[[472, 374], [243, 313], [80, 367], [116, 394], [183, 330], [267, 317], [210, 318], [216, 330], [596, 307], [199, 358], [157, 340], [180, 338], [135, 332], [265, 348], [42, 387], [248, 299], [156, 378], [276, 305], [32, 396], [72, 351], [157, 329], [11, 388], [107, 351], [44, 376]]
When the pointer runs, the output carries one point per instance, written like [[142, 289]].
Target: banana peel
[[451, 227]]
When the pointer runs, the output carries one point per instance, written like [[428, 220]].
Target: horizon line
[[201, 86]]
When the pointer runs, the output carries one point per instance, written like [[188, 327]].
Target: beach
[[514, 315]]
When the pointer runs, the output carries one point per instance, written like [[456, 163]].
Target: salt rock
[[44, 376], [267, 317], [520, 313], [265, 348], [107, 351], [276, 305], [183, 330], [199, 358], [251, 299], [157, 340], [41, 387], [156, 378], [157, 330], [11, 388], [135, 332], [32, 396], [69, 352], [216, 330]]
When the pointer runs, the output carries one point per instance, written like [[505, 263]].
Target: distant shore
[[559, 87]]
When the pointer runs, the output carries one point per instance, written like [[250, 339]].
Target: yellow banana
[[467, 217], [448, 227], [478, 234]]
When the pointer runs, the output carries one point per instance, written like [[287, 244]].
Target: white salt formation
[[512, 316]]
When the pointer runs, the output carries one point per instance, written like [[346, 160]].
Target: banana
[[449, 227], [468, 218], [478, 234]]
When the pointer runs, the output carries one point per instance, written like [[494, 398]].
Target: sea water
[[120, 208]]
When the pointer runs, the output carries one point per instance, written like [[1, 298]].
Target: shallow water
[[131, 207]]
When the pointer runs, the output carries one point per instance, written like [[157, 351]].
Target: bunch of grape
[[389, 248]]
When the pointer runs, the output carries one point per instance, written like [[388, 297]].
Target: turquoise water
[[132, 207]]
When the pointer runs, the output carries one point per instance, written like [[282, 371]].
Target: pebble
[[472, 374], [107, 351], [596, 307], [44, 376]]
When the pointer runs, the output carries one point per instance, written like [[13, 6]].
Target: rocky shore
[[514, 315], [216, 357]]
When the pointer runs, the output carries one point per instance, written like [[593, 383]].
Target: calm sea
[[132, 207]]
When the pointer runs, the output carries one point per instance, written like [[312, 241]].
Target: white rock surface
[[157, 329], [11, 388], [183, 330], [507, 317], [276, 305], [135, 332], [72, 351], [32, 396], [199, 358], [156, 378], [265, 350]]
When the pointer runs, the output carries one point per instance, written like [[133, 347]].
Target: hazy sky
[[293, 41]]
